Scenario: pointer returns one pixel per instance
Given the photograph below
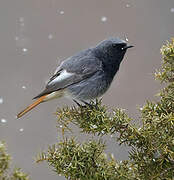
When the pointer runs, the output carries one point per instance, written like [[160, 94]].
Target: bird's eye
[[119, 47]]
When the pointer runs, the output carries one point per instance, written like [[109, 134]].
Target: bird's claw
[[91, 106]]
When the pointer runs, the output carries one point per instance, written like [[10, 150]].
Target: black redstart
[[86, 75]]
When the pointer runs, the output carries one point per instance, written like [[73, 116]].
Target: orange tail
[[37, 102]]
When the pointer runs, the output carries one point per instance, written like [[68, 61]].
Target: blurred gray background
[[35, 35]]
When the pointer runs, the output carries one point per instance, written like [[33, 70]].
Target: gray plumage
[[88, 74]]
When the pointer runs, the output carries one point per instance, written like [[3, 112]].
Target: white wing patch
[[63, 75], [58, 68]]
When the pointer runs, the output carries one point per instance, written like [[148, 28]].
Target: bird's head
[[112, 50]]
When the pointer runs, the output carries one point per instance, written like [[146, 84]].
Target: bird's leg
[[78, 104], [83, 106], [94, 105], [86, 104], [91, 106]]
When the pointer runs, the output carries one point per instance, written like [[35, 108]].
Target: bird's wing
[[72, 71]]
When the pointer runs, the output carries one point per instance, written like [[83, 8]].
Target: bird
[[86, 75]]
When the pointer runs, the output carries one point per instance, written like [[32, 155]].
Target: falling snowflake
[[50, 36], [3, 120], [62, 12], [23, 87], [1, 100], [21, 129], [172, 10], [24, 49], [127, 5], [103, 19]]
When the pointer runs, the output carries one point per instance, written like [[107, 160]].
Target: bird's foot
[[83, 106], [87, 105], [78, 104], [91, 106]]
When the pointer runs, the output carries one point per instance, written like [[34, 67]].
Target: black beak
[[126, 47]]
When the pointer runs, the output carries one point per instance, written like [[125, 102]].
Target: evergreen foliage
[[5, 173], [152, 144]]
